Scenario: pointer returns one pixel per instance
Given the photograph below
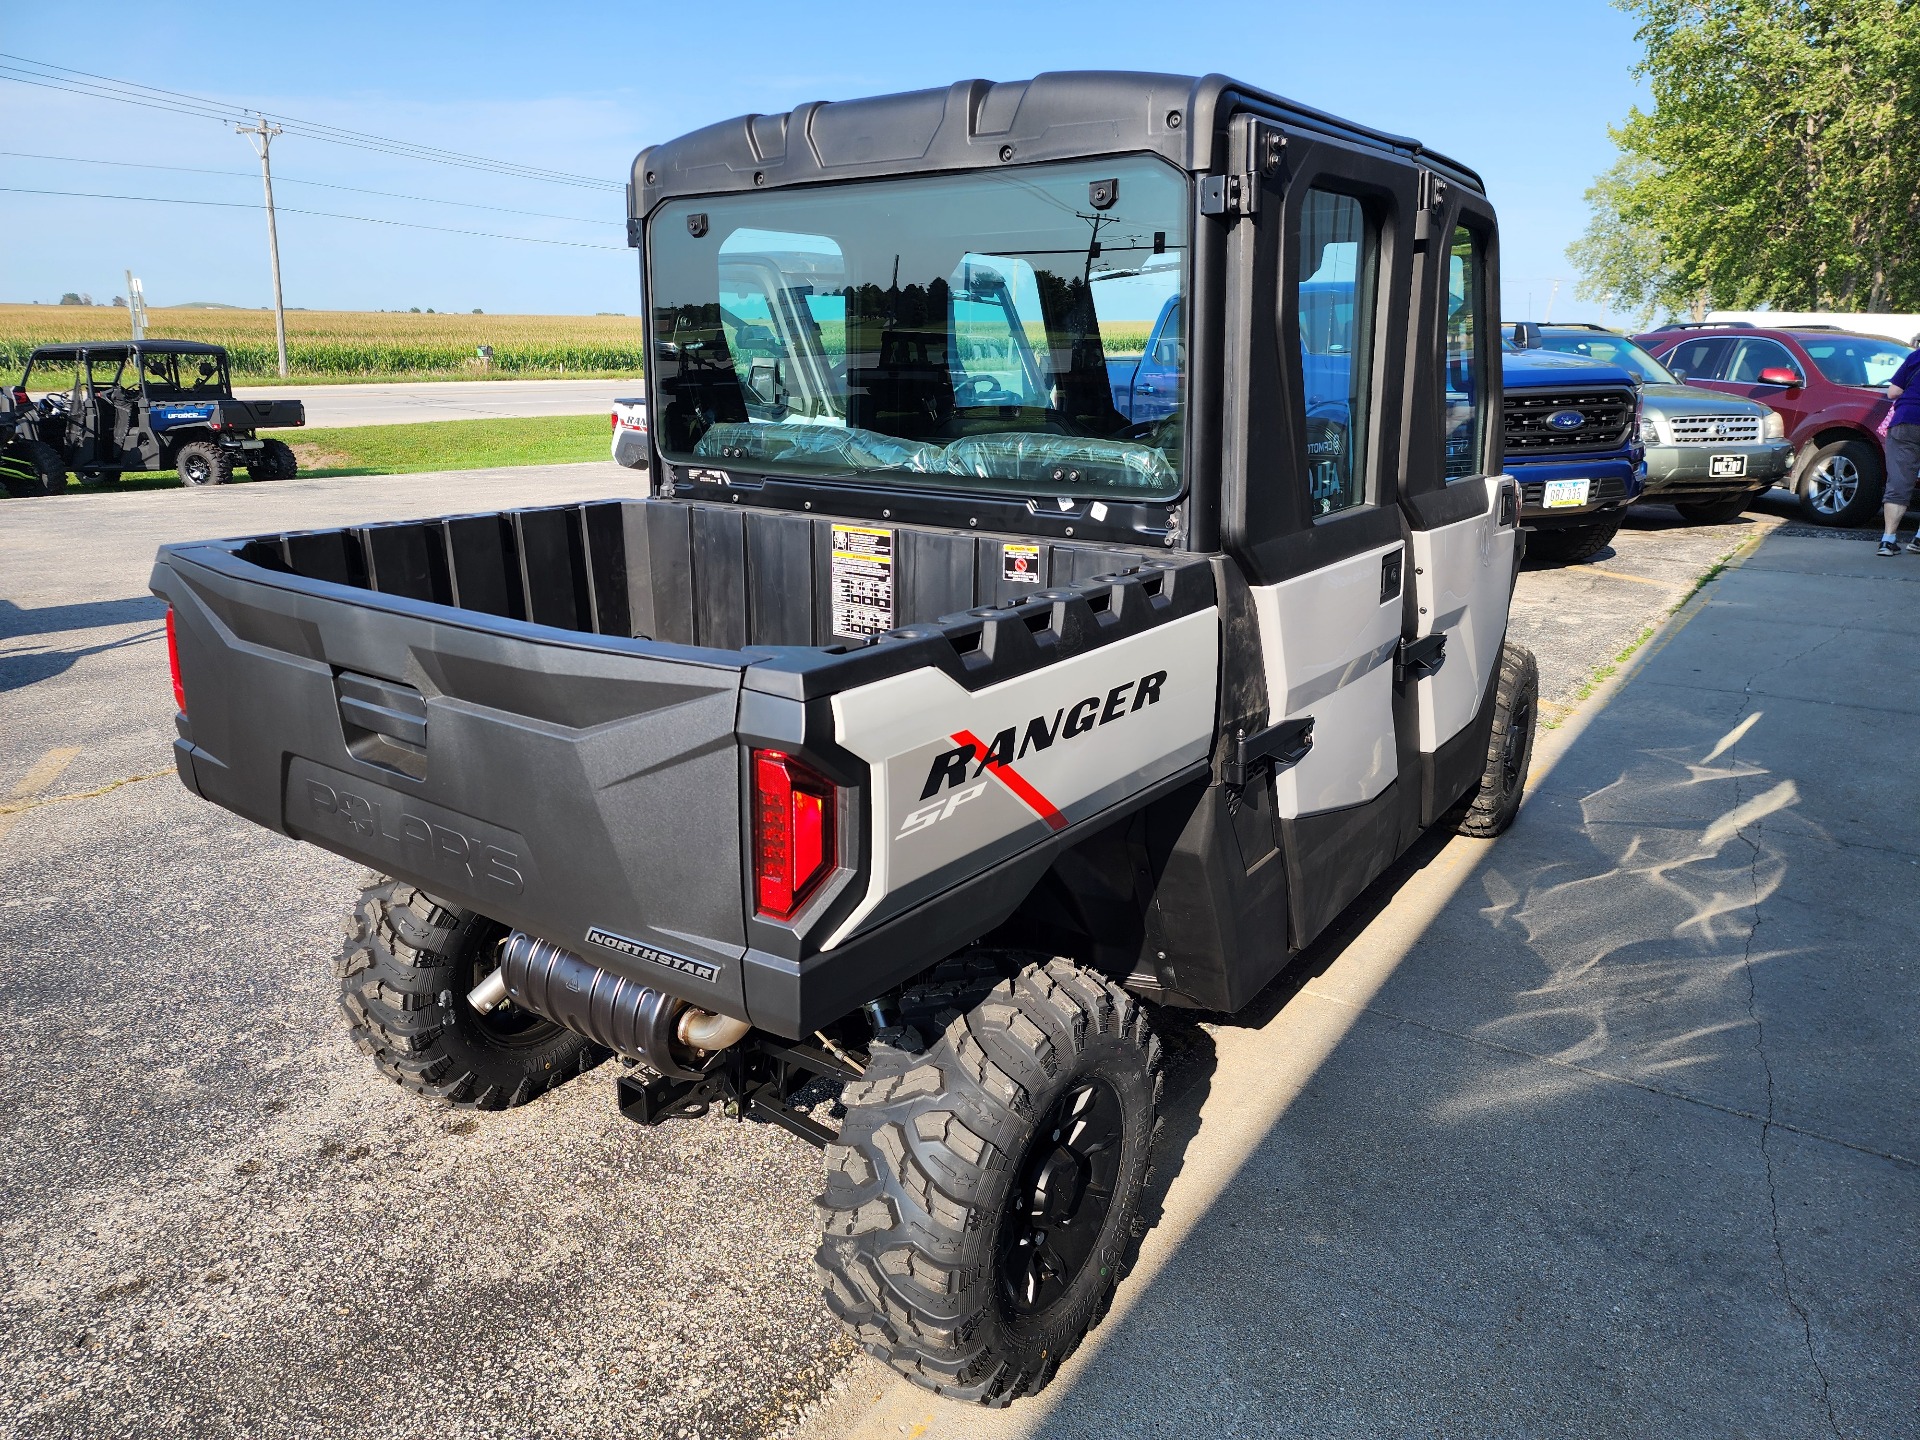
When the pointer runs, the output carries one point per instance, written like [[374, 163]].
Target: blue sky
[[1522, 92]]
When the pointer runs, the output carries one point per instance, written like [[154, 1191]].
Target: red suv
[[1827, 384]]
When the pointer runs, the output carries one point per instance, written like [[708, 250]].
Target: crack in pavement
[[1766, 1065]]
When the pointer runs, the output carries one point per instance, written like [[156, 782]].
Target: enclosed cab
[[941, 711]]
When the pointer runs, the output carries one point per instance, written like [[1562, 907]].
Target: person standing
[[1902, 452]]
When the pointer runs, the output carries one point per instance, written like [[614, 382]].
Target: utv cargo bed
[[549, 715]]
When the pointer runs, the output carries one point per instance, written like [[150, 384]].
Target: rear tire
[[1842, 483], [203, 463], [1715, 512], [32, 467], [983, 1198], [276, 462], [1570, 544], [1516, 704], [404, 973]]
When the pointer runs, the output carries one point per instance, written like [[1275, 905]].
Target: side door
[[1763, 357], [1311, 509], [1463, 513], [83, 444]]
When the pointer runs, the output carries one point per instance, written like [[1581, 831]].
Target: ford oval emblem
[[1566, 419]]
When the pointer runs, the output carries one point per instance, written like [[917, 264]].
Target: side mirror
[[1676, 373], [1780, 375]]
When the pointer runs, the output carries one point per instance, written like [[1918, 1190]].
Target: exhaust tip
[[490, 994]]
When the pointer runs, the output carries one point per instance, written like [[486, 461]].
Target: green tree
[[1779, 165]]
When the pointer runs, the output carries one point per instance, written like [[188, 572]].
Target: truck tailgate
[[560, 782]]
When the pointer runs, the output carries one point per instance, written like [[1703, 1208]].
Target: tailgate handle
[[385, 723]]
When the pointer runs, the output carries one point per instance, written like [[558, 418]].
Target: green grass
[[450, 445], [429, 445]]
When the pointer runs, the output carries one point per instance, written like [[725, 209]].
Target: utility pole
[[261, 137]]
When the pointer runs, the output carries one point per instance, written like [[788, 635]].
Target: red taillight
[[614, 416], [793, 833], [173, 664]]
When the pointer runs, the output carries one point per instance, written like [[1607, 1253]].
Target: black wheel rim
[[195, 470], [1513, 750], [1061, 1197]]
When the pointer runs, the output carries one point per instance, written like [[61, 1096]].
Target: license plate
[[1721, 467], [1563, 493]]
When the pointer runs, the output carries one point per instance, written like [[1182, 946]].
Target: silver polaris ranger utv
[[966, 689]]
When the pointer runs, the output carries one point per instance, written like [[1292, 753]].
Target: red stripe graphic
[[1014, 781]]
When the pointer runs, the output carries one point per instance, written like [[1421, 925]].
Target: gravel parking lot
[[217, 1220]]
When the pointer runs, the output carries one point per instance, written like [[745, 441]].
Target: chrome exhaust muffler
[[661, 1030]]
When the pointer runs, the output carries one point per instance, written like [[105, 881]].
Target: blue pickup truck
[[1571, 424], [1572, 431]]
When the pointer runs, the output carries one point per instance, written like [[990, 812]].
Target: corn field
[[360, 345], [351, 345]]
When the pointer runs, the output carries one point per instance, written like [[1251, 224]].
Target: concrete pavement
[[216, 1219], [405, 402], [1607, 1128]]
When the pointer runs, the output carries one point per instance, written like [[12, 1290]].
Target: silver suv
[[1708, 454]]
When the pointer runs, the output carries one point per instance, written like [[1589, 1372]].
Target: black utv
[[109, 407], [933, 723]]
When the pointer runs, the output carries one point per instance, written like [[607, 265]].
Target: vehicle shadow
[[17, 623], [21, 668], [1485, 1200]]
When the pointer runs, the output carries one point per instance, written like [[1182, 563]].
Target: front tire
[[404, 973], [203, 463], [982, 1201], [1503, 783], [32, 467], [1570, 544], [1842, 483]]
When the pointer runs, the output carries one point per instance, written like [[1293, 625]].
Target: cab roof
[[981, 124], [110, 347]]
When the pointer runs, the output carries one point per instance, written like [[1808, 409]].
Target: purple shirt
[[1906, 410]]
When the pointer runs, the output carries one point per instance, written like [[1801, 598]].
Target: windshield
[[1851, 360], [977, 332], [1611, 350]]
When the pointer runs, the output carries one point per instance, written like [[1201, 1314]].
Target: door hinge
[[1420, 658], [1257, 152], [1433, 203], [1227, 195], [1281, 746]]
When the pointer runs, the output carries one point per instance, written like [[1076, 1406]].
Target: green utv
[[929, 725], [107, 407]]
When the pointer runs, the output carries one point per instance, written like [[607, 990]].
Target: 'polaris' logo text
[[950, 767], [430, 843], [699, 969]]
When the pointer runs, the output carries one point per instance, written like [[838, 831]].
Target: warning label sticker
[[862, 581], [1020, 564]]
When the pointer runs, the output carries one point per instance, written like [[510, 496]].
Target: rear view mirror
[[1779, 375]]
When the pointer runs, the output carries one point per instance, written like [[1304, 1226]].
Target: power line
[[24, 70], [321, 184], [323, 214]]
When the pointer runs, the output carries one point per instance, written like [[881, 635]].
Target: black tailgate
[[557, 781]]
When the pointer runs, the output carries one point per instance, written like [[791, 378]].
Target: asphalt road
[[408, 401], [216, 1219]]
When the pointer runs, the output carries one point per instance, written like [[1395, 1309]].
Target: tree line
[[1779, 165]]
